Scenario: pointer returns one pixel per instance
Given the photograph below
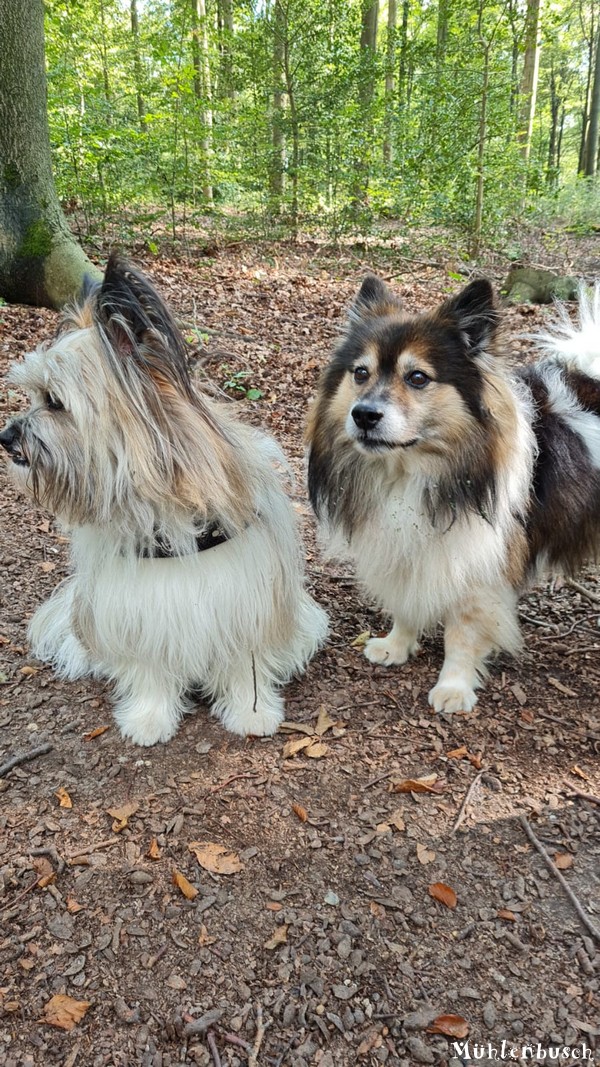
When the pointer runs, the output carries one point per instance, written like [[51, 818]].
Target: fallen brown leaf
[[216, 858], [425, 855], [189, 891], [95, 733], [580, 774], [428, 784], [370, 1041], [153, 852], [64, 798], [444, 893], [563, 860], [361, 640], [317, 750], [292, 747], [324, 722], [45, 871], [28, 672], [300, 812], [64, 1012], [278, 938], [122, 815], [450, 1026], [510, 916]]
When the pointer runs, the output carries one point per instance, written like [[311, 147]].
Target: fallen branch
[[25, 757], [579, 793], [460, 818], [537, 844], [261, 1028], [201, 1025], [579, 588], [72, 857]]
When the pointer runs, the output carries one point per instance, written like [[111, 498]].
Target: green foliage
[[186, 118], [236, 383]]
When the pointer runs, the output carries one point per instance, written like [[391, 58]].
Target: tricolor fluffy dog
[[187, 569], [449, 482]]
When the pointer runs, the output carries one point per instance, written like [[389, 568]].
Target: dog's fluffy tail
[[577, 343]]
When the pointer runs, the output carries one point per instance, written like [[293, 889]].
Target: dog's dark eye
[[361, 375], [418, 379], [53, 403]]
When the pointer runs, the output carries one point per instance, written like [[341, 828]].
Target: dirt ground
[[326, 945]]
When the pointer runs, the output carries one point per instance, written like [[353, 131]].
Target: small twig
[[579, 793], [463, 808], [212, 1044], [374, 781], [233, 778], [87, 849], [261, 1027], [587, 922], [233, 1039], [254, 684], [158, 956], [579, 588], [25, 757], [23, 894]]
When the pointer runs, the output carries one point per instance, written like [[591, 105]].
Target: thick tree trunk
[[529, 82], [40, 261]]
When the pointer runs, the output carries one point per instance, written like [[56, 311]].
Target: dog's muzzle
[[10, 439]]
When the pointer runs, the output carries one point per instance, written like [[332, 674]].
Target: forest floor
[[326, 947]]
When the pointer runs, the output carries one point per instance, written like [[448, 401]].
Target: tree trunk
[[585, 113], [591, 150], [137, 63], [202, 90], [390, 65], [226, 87], [366, 91], [276, 169], [530, 77], [40, 261], [482, 136]]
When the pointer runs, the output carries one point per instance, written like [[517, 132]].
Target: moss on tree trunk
[[40, 261]]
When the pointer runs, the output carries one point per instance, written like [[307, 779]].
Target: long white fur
[[207, 619]]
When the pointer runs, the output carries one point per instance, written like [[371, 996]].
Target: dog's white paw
[[389, 650], [452, 696], [260, 720], [148, 731]]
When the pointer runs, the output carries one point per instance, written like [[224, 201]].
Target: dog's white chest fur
[[420, 570]]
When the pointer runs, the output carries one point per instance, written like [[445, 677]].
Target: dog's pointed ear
[[139, 324], [373, 300], [475, 312]]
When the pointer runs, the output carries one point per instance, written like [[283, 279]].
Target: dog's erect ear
[[374, 299], [139, 325], [475, 313]]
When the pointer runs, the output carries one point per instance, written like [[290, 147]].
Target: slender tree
[[137, 62], [591, 151], [529, 81], [390, 78], [40, 261], [202, 89]]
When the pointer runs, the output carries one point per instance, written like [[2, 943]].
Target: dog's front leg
[[149, 704], [52, 638], [396, 648], [479, 625]]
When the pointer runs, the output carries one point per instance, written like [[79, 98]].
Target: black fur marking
[[564, 521], [139, 325]]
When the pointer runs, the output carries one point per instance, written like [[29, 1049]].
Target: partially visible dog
[[187, 569], [450, 482]]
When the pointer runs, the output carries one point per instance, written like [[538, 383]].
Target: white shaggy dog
[[187, 572]]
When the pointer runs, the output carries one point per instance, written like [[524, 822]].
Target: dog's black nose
[[8, 437], [366, 416]]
